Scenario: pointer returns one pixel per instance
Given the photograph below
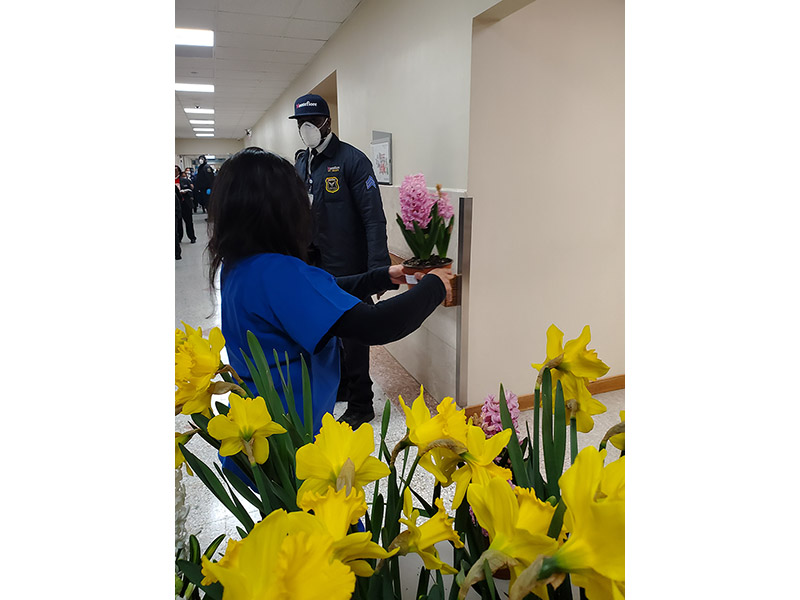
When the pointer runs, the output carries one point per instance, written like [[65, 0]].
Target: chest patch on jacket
[[333, 169], [332, 184]]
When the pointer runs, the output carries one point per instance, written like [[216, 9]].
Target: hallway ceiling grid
[[260, 47]]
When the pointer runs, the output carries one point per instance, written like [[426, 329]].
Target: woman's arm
[[391, 319], [375, 281]]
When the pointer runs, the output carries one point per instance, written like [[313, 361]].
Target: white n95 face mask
[[310, 134]]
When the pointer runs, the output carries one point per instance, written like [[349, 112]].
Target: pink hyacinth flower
[[490, 413], [445, 208], [415, 202]]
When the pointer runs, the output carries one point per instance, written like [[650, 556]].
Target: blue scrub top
[[289, 306]]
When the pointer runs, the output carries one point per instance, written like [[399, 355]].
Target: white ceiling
[[260, 46]]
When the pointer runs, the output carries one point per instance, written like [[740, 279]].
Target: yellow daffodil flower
[[449, 423], [284, 556], [336, 511], [182, 438], [422, 539], [517, 524], [576, 367], [441, 463], [246, 428], [196, 363], [228, 561], [618, 440], [480, 466], [337, 449], [595, 550]]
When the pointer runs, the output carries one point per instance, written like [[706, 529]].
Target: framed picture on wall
[[382, 156]]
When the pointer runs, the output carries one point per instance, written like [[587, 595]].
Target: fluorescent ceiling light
[[204, 134], [194, 87], [203, 128], [199, 111], [201, 122], [194, 37], [210, 156]]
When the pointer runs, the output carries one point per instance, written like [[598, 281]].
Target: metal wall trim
[[462, 321]]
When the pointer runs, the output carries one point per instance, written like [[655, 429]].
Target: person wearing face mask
[[349, 230]]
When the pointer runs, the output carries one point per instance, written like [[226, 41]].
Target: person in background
[[260, 228], [187, 183], [178, 226], [349, 229], [203, 183], [186, 207]]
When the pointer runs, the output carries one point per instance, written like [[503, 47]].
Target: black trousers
[[355, 384], [178, 234], [186, 214]]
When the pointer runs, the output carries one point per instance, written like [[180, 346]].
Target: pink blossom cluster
[[416, 202], [445, 208], [490, 413]]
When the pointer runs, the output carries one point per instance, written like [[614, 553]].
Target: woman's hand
[[396, 274], [446, 275]]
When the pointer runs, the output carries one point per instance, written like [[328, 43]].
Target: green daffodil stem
[[573, 440], [258, 477]]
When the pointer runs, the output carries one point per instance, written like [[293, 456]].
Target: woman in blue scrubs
[[259, 235]]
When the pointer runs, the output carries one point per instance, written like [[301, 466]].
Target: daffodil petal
[[260, 450]]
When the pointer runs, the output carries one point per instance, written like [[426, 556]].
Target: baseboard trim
[[599, 386]]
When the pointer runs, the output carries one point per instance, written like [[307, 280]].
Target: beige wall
[[546, 170]]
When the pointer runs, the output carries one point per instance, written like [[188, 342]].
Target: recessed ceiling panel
[[260, 48]]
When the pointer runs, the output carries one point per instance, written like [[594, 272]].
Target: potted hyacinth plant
[[426, 221]]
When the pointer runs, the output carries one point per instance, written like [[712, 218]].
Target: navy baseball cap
[[310, 105]]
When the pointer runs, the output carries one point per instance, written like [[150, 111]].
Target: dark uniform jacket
[[203, 181], [349, 223]]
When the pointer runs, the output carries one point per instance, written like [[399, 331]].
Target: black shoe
[[193, 241], [177, 258], [356, 417]]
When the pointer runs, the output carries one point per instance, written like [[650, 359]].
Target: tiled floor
[[206, 518]]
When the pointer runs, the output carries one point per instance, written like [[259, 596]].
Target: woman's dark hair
[[258, 204]]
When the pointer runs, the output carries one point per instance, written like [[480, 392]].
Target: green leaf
[[557, 521], [194, 574], [559, 438], [211, 482], [241, 512], [194, 550], [377, 516], [308, 408], [387, 413], [538, 482], [242, 488], [261, 484], [547, 431], [487, 573], [573, 440], [422, 582], [222, 408], [514, 452], [212, 547], [242, 532]]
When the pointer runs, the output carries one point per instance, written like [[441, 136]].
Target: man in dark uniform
[[349, 229], [203, 182]]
